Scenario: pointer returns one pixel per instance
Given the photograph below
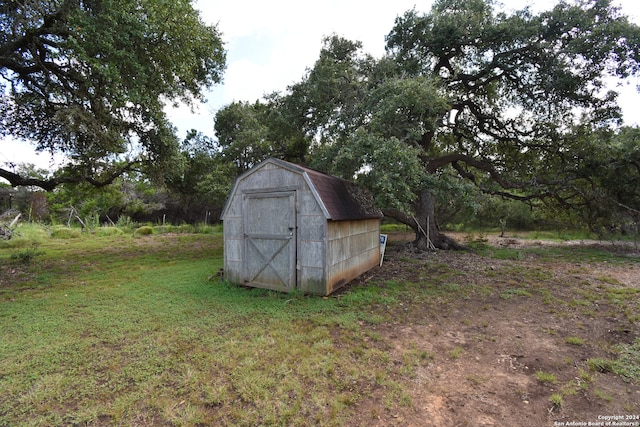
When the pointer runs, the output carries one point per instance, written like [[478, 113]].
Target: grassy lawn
[[140, 330]]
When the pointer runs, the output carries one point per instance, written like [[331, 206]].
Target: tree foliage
[[243, 134], [250, 133], [91, 79], [201, 181], [468, 93], [608, 187]]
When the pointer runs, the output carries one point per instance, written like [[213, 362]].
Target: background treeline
[[196, 189]]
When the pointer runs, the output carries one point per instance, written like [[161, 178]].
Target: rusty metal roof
[[342, 199]]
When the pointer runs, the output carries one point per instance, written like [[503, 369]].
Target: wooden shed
[[288, 227]]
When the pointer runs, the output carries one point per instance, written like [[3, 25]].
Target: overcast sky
[[270, 45]]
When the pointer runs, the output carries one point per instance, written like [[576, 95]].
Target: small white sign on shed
[[383, 246]]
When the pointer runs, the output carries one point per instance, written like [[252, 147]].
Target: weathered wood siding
[[291, 231], [353, 247], [310, 229], [312, 238], [233, 241], [269, 225]]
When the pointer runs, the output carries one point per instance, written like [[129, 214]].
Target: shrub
[[25, 256], [185, 228], [65, 233], [182, 229], [145, 230], [108, 231], [124, 221]]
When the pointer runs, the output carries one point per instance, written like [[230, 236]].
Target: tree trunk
[[428, 235], [424, 224]]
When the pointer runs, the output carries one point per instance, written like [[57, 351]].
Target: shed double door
[[270, 240]]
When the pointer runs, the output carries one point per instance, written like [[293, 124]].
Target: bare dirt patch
[[481, 357]]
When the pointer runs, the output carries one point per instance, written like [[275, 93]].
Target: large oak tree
[[90, 79], [465, 90]]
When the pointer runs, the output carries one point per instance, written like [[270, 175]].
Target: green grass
[[549, 253], [577, 341], [562, 235], [511, 292], [599, 364], [117, 328], [387, 228], [628, 362], [546, 377], [456, 353], [123, 330], [556, 400]]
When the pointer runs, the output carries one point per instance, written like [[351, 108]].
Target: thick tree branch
[[16, 180], [49, 184], [454, 158], [399, 216]]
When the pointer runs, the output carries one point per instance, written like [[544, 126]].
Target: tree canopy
[[91, 79], [466, 91], [249, 133]]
